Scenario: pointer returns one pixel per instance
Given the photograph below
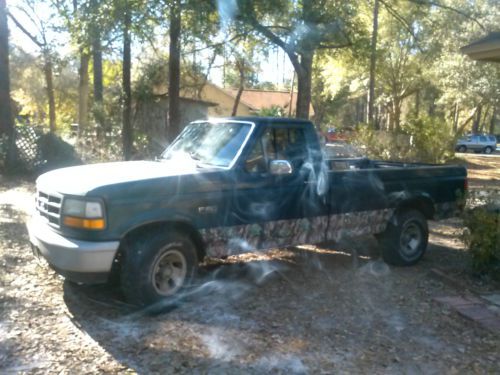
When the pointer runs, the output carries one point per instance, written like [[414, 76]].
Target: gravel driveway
[[302, 310]]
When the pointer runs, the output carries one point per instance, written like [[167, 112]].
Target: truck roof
[[267, 120]]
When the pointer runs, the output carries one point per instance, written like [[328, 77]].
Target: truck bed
[[337, 164]]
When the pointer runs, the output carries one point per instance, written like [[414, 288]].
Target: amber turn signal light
[[77, 222]]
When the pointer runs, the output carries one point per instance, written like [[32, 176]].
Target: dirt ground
[[302, 310]]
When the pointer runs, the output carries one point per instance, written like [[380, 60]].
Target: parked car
[[477, 143], [226, 186], [333, 135]]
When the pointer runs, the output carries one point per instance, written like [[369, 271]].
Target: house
[[484, 49], [211, 101], [150, 117], [224, 100], [252, 101], [257, 100]]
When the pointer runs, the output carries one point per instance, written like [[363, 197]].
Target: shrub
[[482, 235], [55, 153], [424, 139]]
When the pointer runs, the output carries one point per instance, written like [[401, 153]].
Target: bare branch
[[26, 32], [334, 46], [452, 9], [209, 46], [403, 22], [264, 30]]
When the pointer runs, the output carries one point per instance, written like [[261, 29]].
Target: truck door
[[277, 210]]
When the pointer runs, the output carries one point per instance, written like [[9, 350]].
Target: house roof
[[260, 99], [484, 49], [189, 100], [254, 99]]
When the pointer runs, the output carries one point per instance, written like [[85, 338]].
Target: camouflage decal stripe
[[224, 241], [358, 223]]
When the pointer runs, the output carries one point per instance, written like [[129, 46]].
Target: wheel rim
[[487, 150], [169, 272], [410, 240], [461, 149]]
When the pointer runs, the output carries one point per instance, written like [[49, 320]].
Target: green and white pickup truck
[[225, 186]]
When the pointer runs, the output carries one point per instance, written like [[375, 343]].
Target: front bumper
[[80, 261]]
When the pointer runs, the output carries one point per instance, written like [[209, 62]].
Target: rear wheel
[[488, 150], [405, 240], [158, 267], [462, 148]]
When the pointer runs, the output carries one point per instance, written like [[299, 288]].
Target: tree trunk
[[241, 68], [83, 93], [47, 69], [482, 122], [493, 121], [456, 115], [397, 115], [477, 120], [417, 103], [390, 122], [291, 94], [6, 119], [127, 136], [83, 84], [373, 60], [174, 72], [97, 61], [304, 79], [98, 86], [464, 124]]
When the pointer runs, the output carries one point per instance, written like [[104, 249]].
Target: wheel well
[[424, 205], [177, 226]]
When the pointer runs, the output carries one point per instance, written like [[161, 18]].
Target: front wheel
[[157, 267], [488, 150], [405, 240], [462, 148]]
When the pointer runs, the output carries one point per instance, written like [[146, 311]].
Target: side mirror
[[280, 167]]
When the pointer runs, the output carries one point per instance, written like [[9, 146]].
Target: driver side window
[[277, 144]]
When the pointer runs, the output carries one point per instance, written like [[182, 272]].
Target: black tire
[[462, 148], [488, 150], [157, 267], [405, 239]]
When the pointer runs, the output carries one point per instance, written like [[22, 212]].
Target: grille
[[49, 207]]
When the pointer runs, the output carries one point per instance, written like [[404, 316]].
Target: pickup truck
[[226, 186]]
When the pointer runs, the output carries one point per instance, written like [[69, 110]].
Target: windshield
[[215, 144]]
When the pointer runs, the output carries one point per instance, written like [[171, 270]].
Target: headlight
[[79, 213]]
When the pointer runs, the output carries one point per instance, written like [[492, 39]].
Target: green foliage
[[482, 236], [430, 139], [420, 140], [56, 153], [274, 111]]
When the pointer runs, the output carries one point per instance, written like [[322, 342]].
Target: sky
[[276, 68]]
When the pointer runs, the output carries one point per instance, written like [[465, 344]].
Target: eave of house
[[484, 49]]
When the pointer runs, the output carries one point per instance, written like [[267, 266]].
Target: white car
[[477, 143]]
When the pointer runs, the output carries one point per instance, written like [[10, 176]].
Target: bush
[[424, 139], [482, 235], [55, 153]]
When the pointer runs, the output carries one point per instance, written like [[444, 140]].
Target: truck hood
[[82, 179]]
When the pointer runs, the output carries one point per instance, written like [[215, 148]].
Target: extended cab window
[[277, 144]]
